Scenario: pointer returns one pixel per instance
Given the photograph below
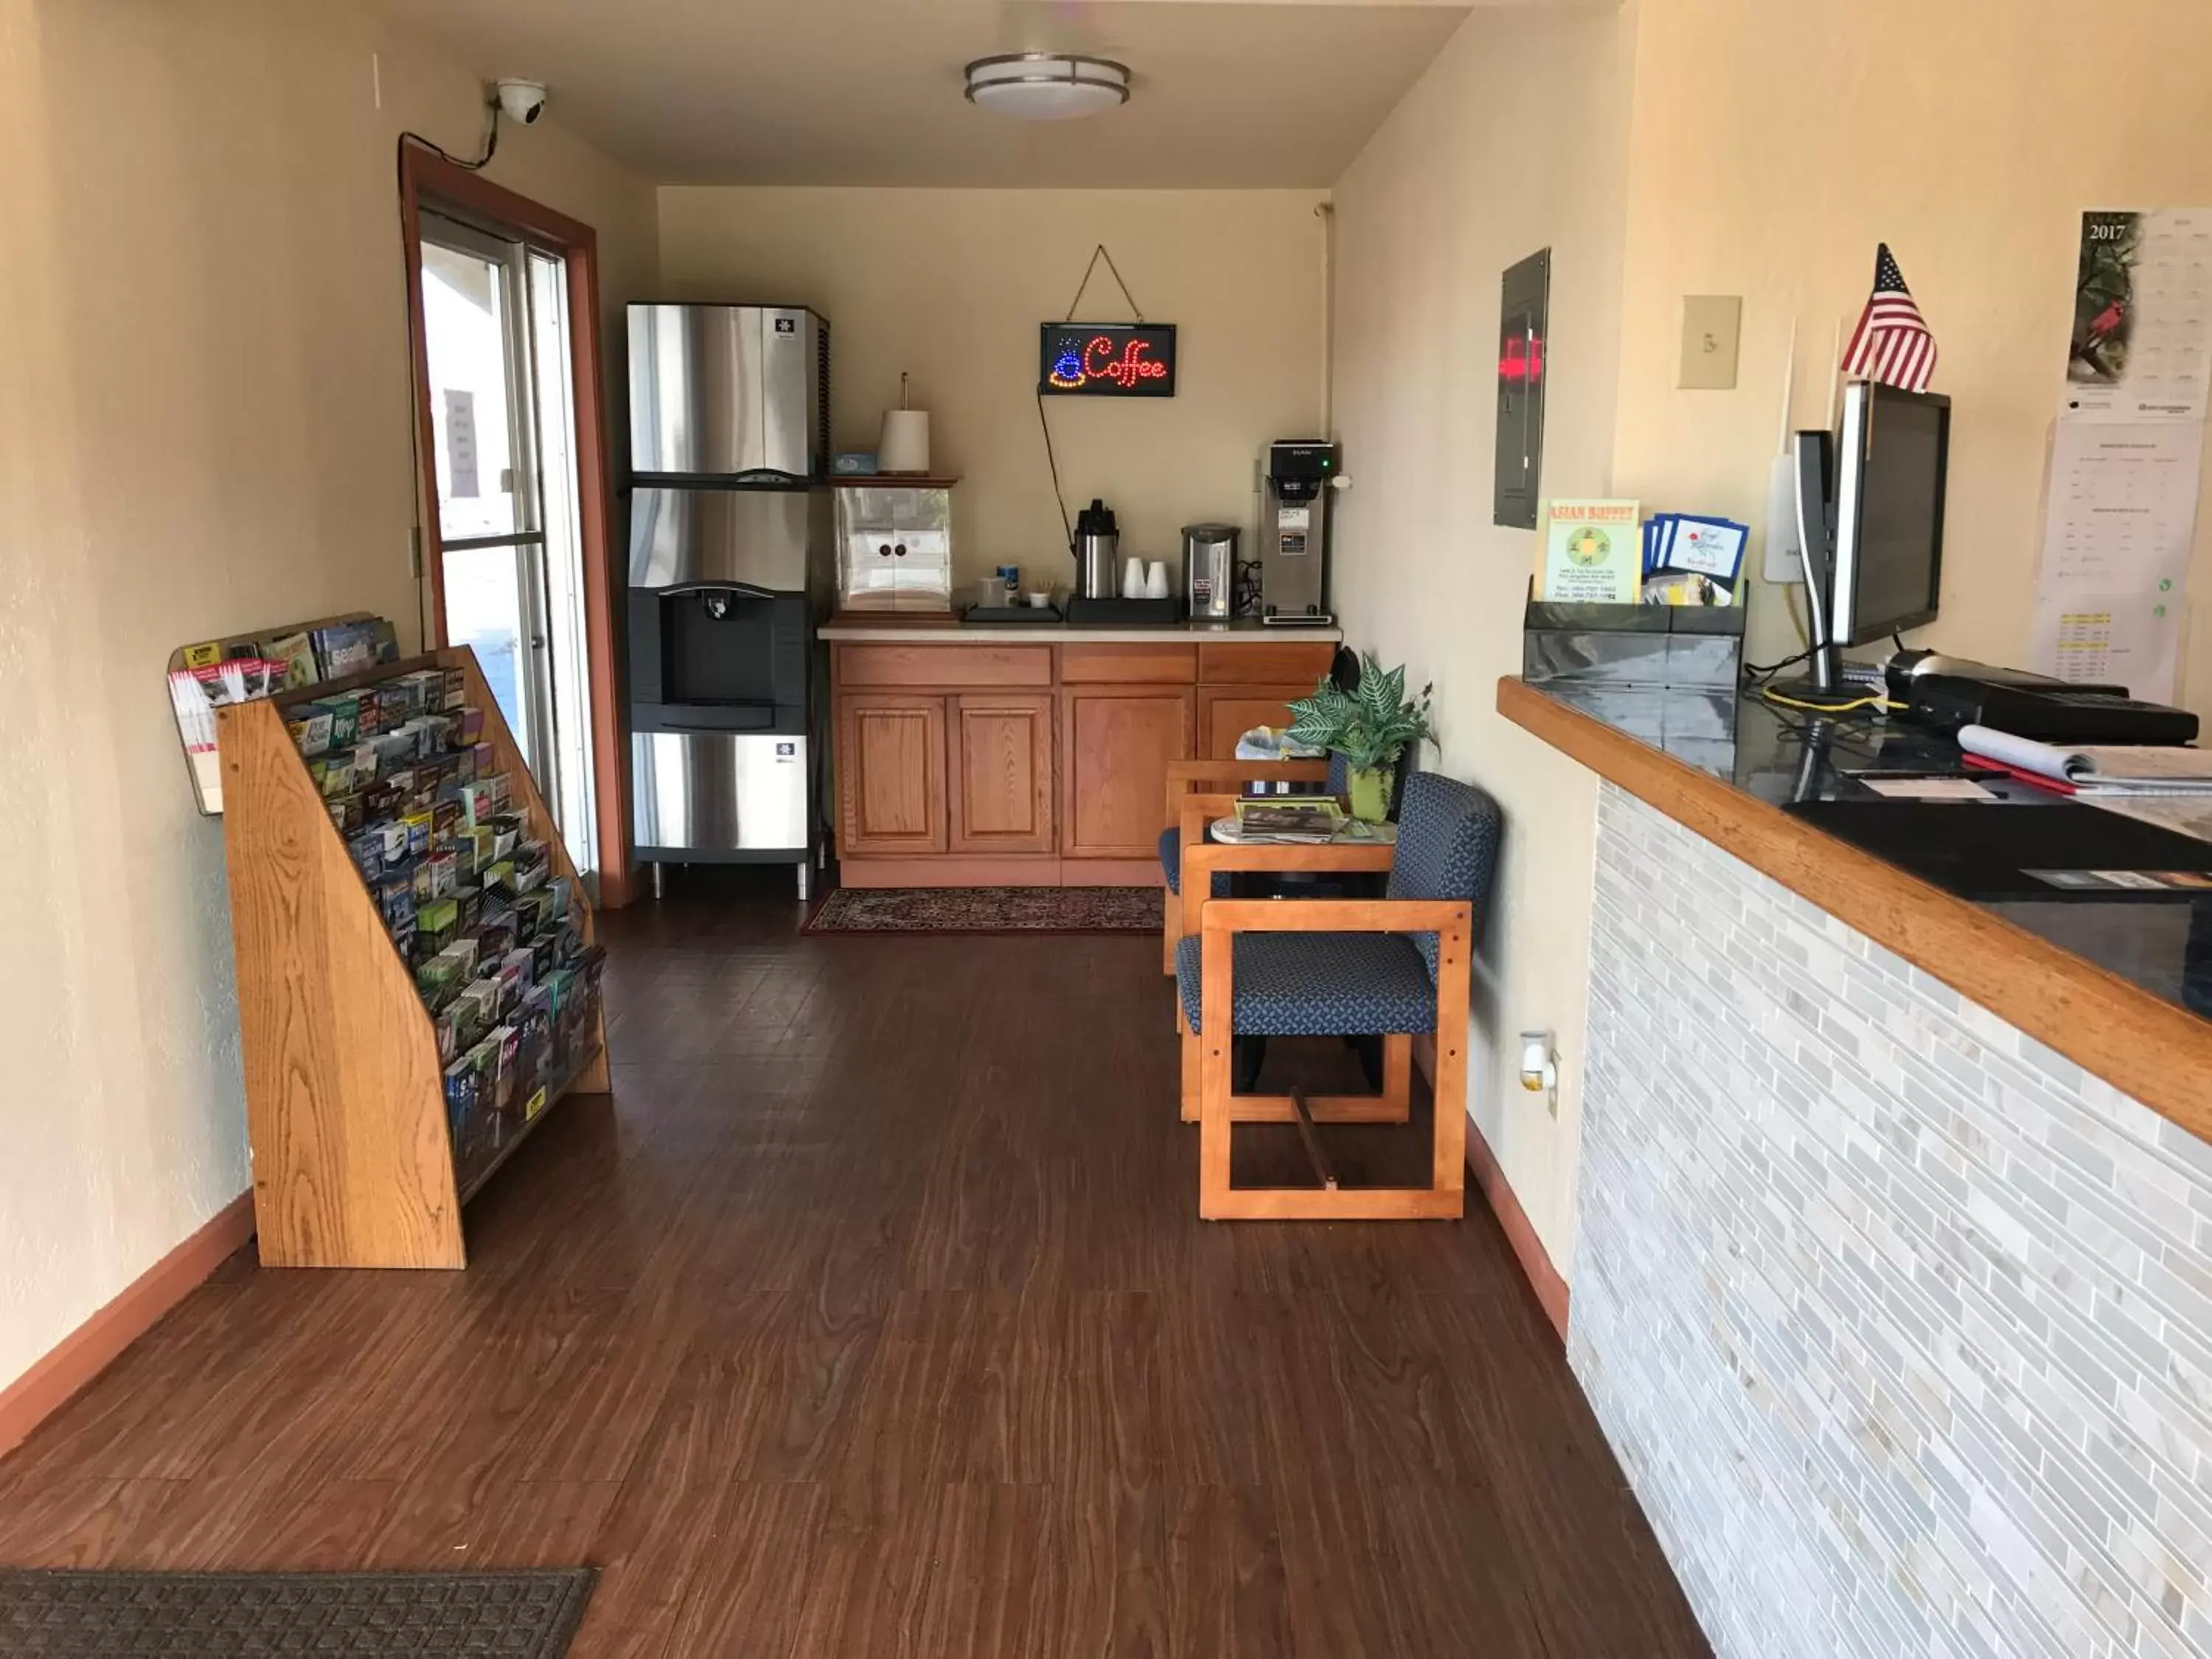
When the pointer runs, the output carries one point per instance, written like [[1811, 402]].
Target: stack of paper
[[2106, 770]]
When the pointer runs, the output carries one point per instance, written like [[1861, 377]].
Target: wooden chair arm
[[1198, 812], [1181, 775], [1336, 857], [1340, 916], [1201, 857]]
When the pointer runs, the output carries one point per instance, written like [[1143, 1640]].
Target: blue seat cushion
[[1171, 862], [1319, 984]]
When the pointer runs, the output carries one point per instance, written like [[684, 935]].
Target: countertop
[[1231, 633], [2122, 985]]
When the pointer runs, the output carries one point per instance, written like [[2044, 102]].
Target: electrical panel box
[[1523, 323]]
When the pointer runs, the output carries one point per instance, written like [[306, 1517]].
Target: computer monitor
[[1870, 521], [1893, 460]]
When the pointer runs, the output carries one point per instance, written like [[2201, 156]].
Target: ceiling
[[1241, 94]]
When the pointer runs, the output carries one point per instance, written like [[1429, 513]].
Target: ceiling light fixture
[[1046, 86]]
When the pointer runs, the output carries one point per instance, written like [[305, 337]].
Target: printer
[[1946, 692]]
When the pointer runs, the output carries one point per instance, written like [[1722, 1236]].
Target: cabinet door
[[1114, 749], [1001, 771], [1227, 713], [891, 774]]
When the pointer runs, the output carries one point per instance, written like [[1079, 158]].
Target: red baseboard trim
[[92, 1347], [1520, 1232]]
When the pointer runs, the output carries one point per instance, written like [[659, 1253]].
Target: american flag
[[1893, 343]]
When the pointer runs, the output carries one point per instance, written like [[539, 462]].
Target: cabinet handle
[[884, 551], [900, 550]]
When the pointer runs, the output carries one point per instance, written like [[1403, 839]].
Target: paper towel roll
[[904, 447]]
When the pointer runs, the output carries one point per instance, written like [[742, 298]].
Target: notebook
[[2101, 770]]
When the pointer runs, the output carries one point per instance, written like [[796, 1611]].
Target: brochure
[[1592, 553]]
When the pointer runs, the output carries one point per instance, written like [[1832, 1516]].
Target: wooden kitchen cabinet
[[1116, 746], [1227, 713], [968, 758], [1002, 772], [891, 774]]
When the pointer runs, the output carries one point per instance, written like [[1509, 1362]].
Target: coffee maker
[[1294, 512]]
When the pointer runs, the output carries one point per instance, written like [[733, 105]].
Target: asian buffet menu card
[[1593, 553]]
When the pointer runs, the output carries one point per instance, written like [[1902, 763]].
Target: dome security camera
[[522, 101]]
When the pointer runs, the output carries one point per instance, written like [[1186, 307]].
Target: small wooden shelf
[[354, 1163]]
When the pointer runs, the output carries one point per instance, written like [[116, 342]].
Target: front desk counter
[[2120, 982]]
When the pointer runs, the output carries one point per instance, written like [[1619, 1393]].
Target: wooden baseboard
[[1003, 870], [93, 1346], [1110, 872], [1520, 1232]]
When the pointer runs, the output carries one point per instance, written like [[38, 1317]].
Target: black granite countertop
[[1817, 769]]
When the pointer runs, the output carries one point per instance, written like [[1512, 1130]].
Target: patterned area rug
[[988, 910], [423, 1615]]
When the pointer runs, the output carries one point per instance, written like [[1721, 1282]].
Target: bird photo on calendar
[[1893, 345], [2104, 298]]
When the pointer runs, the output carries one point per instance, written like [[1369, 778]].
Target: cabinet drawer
[[1269, 662], [932, 666], [1160, 664]]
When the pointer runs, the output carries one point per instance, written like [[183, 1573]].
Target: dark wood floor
[[870, 1316]]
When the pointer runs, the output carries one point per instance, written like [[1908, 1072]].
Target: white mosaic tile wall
[[1901, 1324]]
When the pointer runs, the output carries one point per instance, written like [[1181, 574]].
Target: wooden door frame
[[425, 175]]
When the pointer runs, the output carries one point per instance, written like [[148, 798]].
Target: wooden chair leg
[[1454, 971], [1191, 1068], [1218, 998], [1171, 933], [1397, 1078]]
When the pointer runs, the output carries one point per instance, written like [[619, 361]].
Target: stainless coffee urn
[[1209, 566], [1097, 552]]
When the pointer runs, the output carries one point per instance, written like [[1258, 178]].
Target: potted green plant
[[1371, 728]]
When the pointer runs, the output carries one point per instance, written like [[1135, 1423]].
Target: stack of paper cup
[[904, 447]]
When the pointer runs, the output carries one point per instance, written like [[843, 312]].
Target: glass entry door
[[495, 336]]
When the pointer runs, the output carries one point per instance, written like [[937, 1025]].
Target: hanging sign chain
[[1097, 254]]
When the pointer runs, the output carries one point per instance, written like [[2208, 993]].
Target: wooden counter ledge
[[2142, 1044]]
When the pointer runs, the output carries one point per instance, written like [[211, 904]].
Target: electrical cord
[[1755, 670], [1059, 495], [1875, 701], [490, 149]]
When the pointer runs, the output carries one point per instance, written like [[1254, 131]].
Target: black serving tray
[[1156, 613]]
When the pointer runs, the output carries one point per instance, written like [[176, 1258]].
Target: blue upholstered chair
[[1191, 806], [1397, 966]]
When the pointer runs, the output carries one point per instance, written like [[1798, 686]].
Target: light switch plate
[[1712, 324]]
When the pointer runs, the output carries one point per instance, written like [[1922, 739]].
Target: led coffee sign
[[1106, 360]]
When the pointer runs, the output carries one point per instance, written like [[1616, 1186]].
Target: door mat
[[988, 910], [423, 1615]]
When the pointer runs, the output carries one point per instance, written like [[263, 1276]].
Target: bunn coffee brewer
[[1294, 512]]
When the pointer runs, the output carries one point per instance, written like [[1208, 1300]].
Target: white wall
[[951, 285], [1969, 137], [1475, 169], [204, 427]]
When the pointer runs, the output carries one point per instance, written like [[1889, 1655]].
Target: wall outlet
[[1712, 328]]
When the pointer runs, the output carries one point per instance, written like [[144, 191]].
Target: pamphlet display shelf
[[354, 1162]]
